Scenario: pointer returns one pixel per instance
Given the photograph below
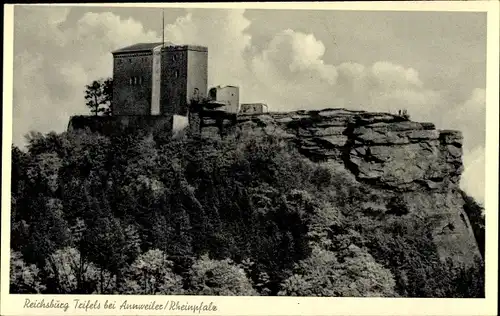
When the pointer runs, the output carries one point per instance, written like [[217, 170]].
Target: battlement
[[185, 47]]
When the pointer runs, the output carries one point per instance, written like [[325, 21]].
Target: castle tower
[[184, 72], [157, 79], [228, 95]]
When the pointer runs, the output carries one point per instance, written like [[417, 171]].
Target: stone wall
[[197, 69], [132, 99], [107, 125], [184, 76]]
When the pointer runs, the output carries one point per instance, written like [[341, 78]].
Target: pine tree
[[98, 96]]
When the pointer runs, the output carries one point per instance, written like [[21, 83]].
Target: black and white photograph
[[248, 152]]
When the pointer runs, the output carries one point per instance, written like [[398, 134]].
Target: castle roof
[[222, 87], [140, 47], [148, 47]]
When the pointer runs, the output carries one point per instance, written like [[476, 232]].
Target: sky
[[433, 64]]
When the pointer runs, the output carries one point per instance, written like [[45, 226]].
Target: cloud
[[302, 58], [53, 64], [223, 32], [473, 178], [292, 74], [470, 118]]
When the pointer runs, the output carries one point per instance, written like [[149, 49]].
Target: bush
[[219, 277], [68, 273], [355, 274], [24, 278], [151, 273]]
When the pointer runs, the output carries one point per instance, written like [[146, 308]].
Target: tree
[[254, 201], [24, 278], [219, 277], [104, 244], [99, 95], [151, 273], [69, 273], [324, 274], [108, 94]]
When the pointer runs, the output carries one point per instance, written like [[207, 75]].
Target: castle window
[[130, 81], [135, 81], [176, 74], [130, 60], [174, 57]]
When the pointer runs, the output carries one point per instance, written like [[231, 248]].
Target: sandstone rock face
[[378, 148], [405, 155], [386, 151], [450, 226]]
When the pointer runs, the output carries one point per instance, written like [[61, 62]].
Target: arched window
[[130, 81], [135, 81]]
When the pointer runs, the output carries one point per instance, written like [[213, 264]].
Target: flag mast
[[163, 27]]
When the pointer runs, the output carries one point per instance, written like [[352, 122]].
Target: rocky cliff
[[414, 160]]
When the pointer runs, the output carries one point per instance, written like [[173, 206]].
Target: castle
[[164, 79], [155, 82]]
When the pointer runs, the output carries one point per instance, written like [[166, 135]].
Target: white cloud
[[391, 76], [470, 118], [292, 74], [223, 32], [473, 178]]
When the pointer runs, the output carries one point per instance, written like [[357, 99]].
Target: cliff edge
[[416, 161]]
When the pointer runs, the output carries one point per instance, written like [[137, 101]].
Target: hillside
[[258, 212], [388, 152]]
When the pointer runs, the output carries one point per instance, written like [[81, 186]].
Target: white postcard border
[[11, 304]]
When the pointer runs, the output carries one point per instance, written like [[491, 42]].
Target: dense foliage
[[128, 213]]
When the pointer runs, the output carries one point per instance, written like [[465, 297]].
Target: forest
[[129, 213]]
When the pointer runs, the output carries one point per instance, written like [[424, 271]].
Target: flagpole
[[163, 27]]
